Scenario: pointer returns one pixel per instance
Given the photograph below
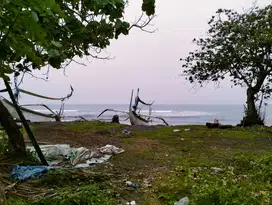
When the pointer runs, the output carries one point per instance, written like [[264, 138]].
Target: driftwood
[[225, 126], [212, 125], [217, 125]]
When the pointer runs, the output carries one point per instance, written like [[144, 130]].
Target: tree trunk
[[15, 137], [252, 117]]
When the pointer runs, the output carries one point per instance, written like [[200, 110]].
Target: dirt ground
[[154, 153], [56, 133]]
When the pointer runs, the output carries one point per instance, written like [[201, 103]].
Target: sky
[[146, 61]]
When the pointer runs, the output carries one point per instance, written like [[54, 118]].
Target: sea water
[[173, 114]]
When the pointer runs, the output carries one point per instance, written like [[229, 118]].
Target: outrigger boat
[[136, 118], [35, 116]]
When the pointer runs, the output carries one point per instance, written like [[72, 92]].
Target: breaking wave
[[165, 113]]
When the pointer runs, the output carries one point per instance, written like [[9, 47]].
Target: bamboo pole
[[3, 200]]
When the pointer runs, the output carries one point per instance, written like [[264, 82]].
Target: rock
[[115, 119]]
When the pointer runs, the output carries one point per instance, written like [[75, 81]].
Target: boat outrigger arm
[[137, 118], [112, 110], [35, 115]]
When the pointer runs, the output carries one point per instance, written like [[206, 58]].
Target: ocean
[[173, 114]]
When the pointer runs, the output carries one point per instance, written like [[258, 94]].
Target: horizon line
[[153, 105]]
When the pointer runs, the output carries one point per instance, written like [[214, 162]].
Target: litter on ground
[[61, 156], [132, 184], [131, 203], [23, 173], [183, 201], [65, 156]]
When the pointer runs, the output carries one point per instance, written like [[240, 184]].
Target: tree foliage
[[36, 33], [238, 46]]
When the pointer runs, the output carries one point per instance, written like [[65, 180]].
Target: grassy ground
[[209, 166]]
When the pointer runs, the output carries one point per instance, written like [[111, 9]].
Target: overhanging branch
[[142, 24]]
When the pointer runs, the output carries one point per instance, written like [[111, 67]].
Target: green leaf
[[57, 44], [53, 53], [50, 32], [35, 16]]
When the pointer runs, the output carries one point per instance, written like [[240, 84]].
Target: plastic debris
[[64, 155], [183, 201], [182, 139], [216, 169], [98, 160], [131, 203], [111, 149], [186, 130], [132, 184], [23, 173], [82, 166], [176, 130], [126, 132], [147, 183]]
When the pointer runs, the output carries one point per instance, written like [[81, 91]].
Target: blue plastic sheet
[[23, 173]]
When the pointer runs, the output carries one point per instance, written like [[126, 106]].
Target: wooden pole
[[26, 126], [3, 200]]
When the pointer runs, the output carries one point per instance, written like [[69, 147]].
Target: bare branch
[[33, 76], [22, 79], [47, 72], [78, 62], [142, 24]]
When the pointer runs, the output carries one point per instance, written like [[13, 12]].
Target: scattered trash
[[183, 201], [147, 183], [23, 173], [98, 160], [176, 130], [132, 184], [82, 166], [126, 132], [63, 155], [216, 169], [182, 139], [111, 149], [131, 203], [186, 130]]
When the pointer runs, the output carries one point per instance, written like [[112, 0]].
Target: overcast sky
[[148, 61]]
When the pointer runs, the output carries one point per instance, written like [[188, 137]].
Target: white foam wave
[[194, 113], [45, 110], [71, 110], [158, 111]]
